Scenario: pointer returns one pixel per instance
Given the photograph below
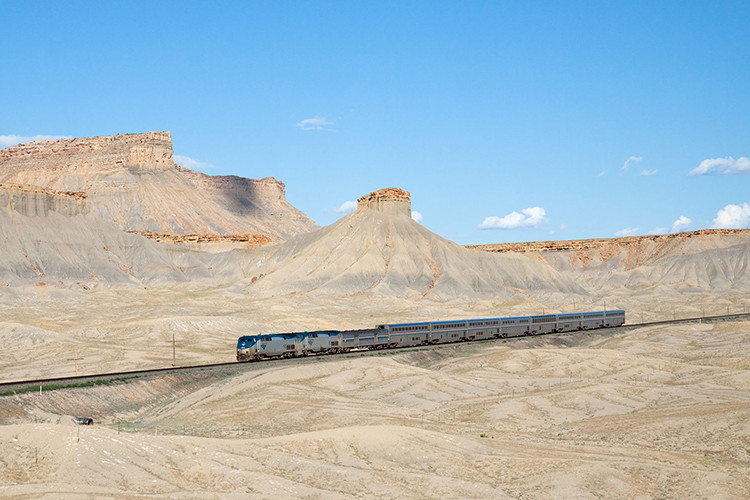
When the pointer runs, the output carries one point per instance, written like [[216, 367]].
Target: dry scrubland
[[657, 412]]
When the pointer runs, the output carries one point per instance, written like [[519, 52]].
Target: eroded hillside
[[132, 181]]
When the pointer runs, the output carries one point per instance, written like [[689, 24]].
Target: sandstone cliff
[[393, 200], [132, 180], [37, 201]]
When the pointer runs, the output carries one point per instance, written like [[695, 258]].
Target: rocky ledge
[[245, 240], [572, 245], [393, 200]]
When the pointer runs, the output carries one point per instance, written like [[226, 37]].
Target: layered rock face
[[390, 200], [66, 164], [132, 180], [605, 244], [34, 201]]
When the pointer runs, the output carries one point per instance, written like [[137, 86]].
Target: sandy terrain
[[658, 412]]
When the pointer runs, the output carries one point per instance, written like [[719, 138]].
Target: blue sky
[[507, 121]]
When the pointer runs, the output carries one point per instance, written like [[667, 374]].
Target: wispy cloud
[[658, 230], [722, 166], [681, 224], [628, 231], [602, 173], [317, 123], [7, 141], [191, 163], [630, 161], [416, 216], [733, 217], [347, 207], [647, 173], [528, 217]]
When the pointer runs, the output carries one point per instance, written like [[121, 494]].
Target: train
[[296, 344]]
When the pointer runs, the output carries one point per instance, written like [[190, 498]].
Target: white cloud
[[630, 161], [733, 217], [646, 173], [317, 123], [658, 230], [192, 164], [347, 207], [680, 224], [528, 217], [602, 173], [416, 216], [628, 231], [7, 141], [722, 166]]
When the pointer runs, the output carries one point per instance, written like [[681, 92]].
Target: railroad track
[[9, 388]]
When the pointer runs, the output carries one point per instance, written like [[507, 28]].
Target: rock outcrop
[[132, 180], [604, 243], [392, 200], [35, 201], [208, 242]]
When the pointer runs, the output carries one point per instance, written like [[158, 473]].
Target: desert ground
[[656, 411], [652, 412]]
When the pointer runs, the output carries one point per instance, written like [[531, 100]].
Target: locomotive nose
[[245, 349]]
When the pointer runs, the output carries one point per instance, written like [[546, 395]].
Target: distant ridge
[[564, 245], [708, 260]]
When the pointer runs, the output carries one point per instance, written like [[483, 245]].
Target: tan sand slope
[[380, 249], [661, 412], [54, 239]]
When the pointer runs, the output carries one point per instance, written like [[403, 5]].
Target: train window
[[334, 342], [265, 339], [289, 347], [314, 335]]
